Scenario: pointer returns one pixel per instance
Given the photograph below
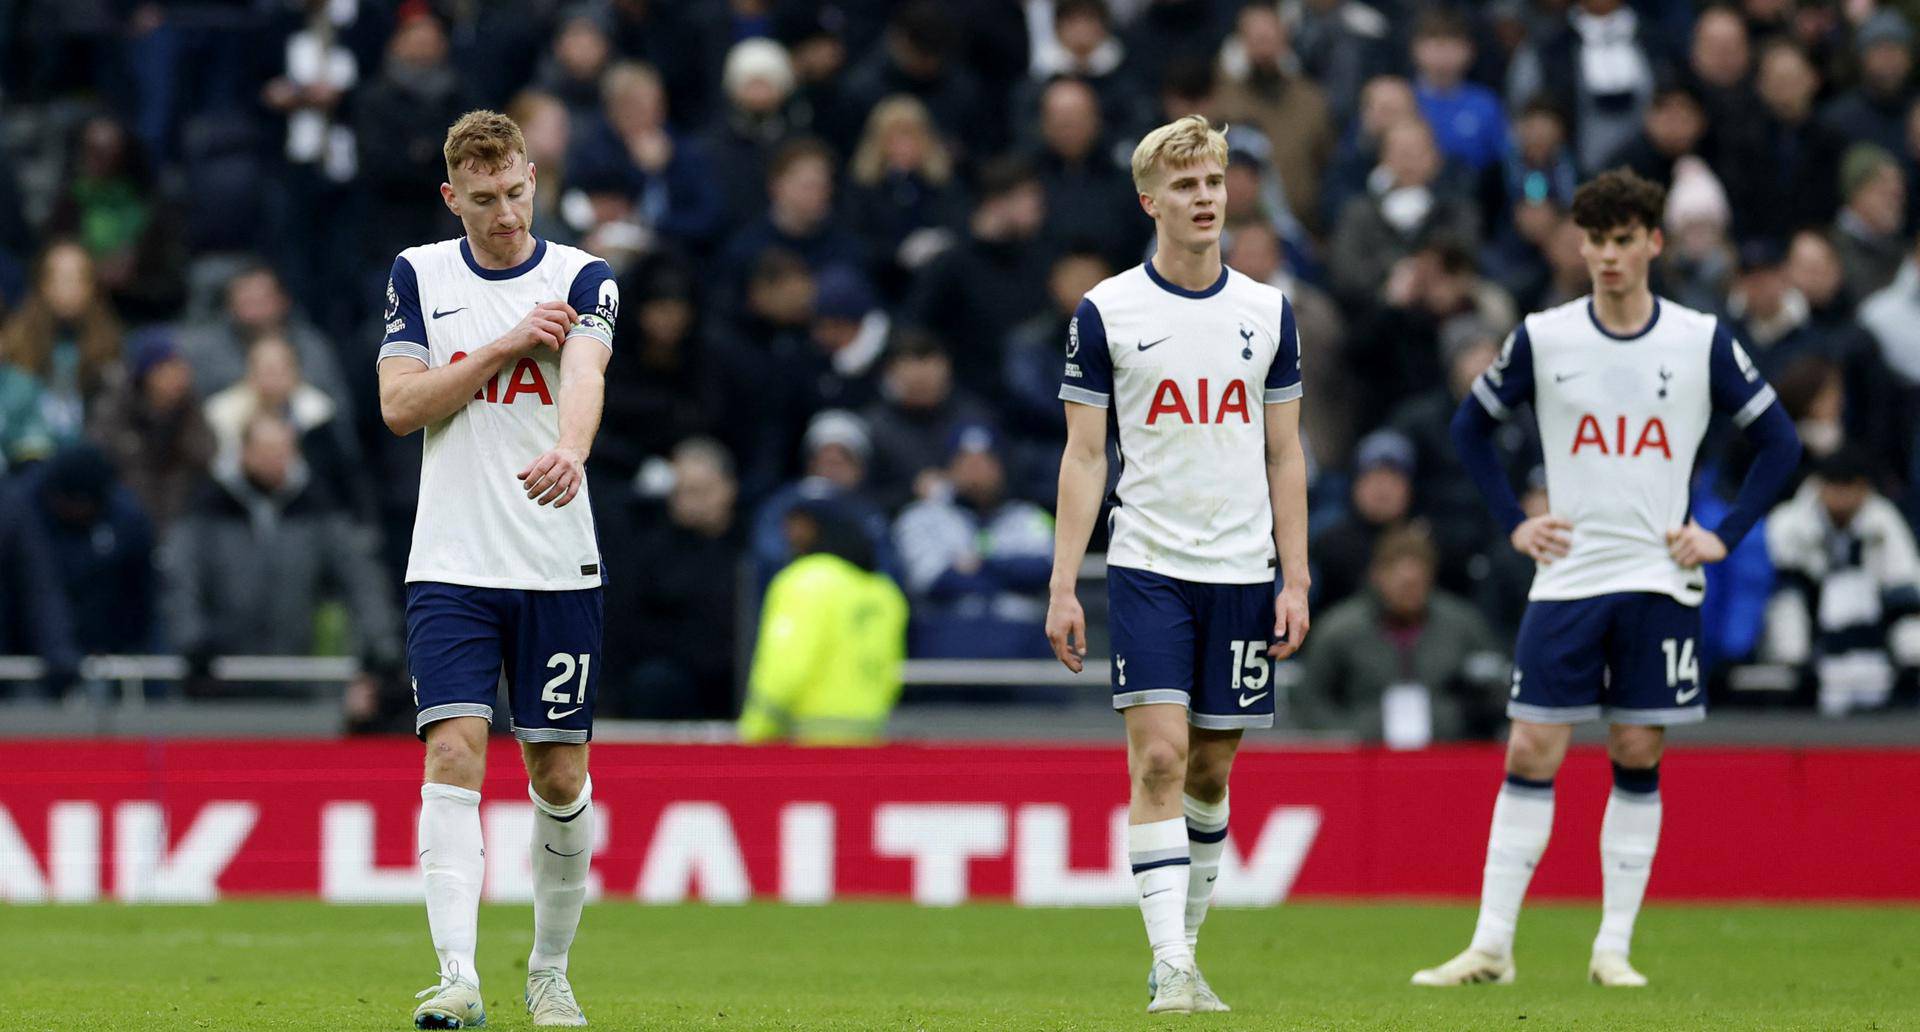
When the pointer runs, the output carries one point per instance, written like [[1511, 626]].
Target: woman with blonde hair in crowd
[[901, 197], [66, 336]]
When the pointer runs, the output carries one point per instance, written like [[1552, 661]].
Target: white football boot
[[1612, 970], [454, 1003], [1471, 967], [1175, 988], [1205, 1000], [550, 1000]]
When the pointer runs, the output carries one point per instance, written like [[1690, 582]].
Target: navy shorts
[[1630, 658], [460, 638], [1202, 646]]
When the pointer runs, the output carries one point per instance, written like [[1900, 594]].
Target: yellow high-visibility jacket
[[826, 670]]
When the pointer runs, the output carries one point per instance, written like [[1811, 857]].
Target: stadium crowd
[[849, 236]]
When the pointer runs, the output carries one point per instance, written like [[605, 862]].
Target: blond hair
[[870, 161], [487, 141], [1177, 144]]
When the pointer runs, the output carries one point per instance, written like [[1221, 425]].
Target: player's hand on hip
[[1290, 622], [1067, 631], [1694, 545], [1543, 538], [544, 327], [555, 478]]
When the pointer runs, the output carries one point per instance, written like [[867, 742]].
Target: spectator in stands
[[676, 622], [258, 306], [1084, 49], [275, 384], [35, 619], [903, 201], [1719, 72], [102, 545], [1402, 662], [915, 419], [815, 38], [1869, 229], [1254, 249], [630, 143], [1341, 44], [1789, 175], [798, 215], [1673, 128], [1264, 86], [826, 670], [313, 94], [1892, 316], [400, 123], [841, 366], [758, 83], [1386, 101], [1767, 315], [1088, 197], [1475, 557], [1597, 66], [996, 278], [1255, 193], [249, 567], [1468, 125], [108, 204], [1699, 257], [65, 336], [25, 435], [1540, 168], [673, 381], [1396, 351], [577, 61], [1875, 109], [918, 56], [1402, 211], [1381, 499], [839, 450], [975, 561], [1814, 269], [1849, 598], [150, 425]]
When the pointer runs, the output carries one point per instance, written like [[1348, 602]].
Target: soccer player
[[497, 345], [1622, 384], [1198, 369]]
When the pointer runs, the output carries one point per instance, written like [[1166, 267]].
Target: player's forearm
[[1777, 456], [583, 395], [423, 397], [1287, 493], [1082, 479], [1472, 431]]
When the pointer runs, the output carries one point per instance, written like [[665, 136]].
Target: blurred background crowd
[[849, 236]]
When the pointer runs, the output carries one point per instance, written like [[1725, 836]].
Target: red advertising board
[[184, 821]]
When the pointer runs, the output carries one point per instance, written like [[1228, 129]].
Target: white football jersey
[[1621, 419], [475, 524], [1187, 376]]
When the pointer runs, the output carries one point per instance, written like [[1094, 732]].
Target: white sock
[[1161, 866], [1206, 840], [1629, 833], [562, 852], [454, 860], [1522, 820]]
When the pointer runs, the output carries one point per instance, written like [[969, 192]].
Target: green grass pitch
[[271, 965]]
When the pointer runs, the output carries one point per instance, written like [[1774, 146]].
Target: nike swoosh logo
[[553, 714], [438, 314], [1157, 892], [1564, 377], [1682, 698], [1156, 343], [556, 852], [1246, 700], [1210, 880]]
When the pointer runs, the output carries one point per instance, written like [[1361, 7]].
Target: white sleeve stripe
[[405, 349], [1277, 395], [1068, 392], [1757, 405], [1490, 401]]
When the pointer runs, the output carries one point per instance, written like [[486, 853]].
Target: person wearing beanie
[[1868, 231]]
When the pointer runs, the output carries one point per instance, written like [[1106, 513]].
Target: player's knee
[[1636, 748], [559, 783], [1160, 765], [1532, 754], [1206, 782], [453, 759]]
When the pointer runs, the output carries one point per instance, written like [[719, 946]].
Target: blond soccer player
[[1198, 369]]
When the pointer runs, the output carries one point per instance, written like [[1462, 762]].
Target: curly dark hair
[[1618, 198]]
